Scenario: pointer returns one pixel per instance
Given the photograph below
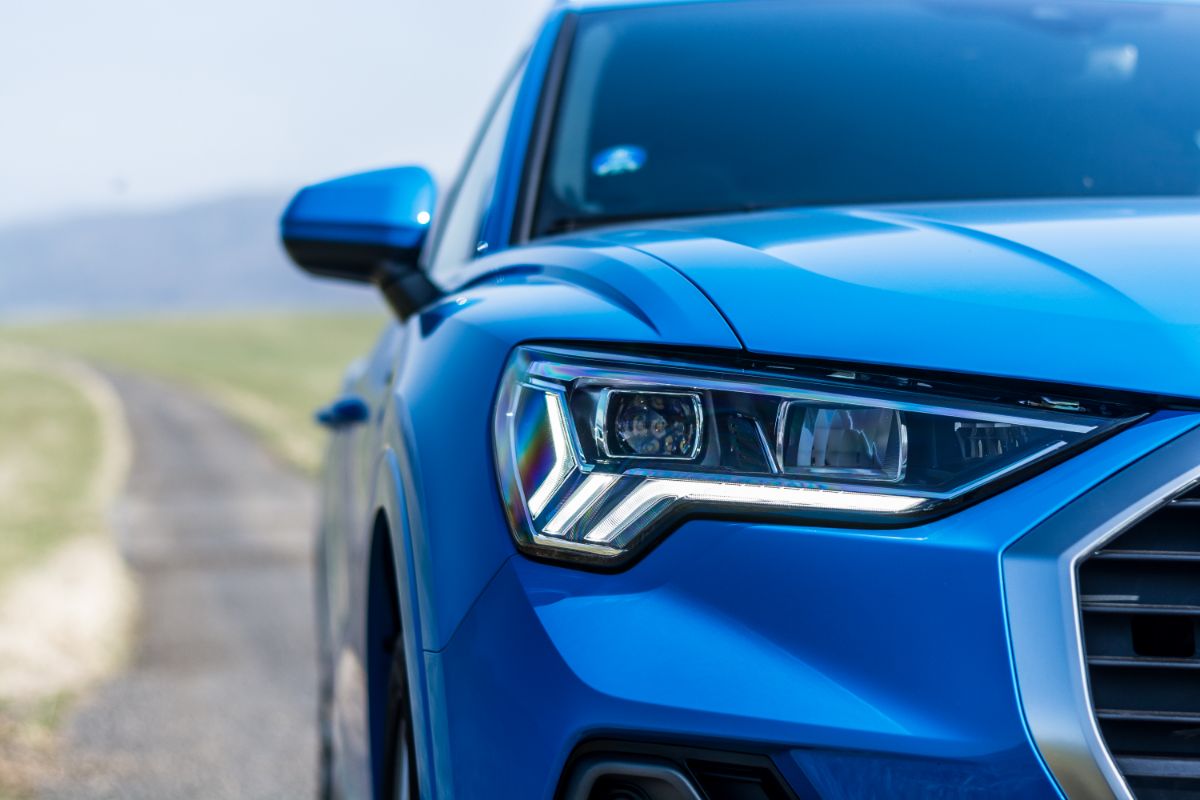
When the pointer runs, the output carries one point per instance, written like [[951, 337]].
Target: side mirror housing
[[367, 228]]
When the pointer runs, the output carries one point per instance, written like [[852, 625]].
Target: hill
[[219, 255]]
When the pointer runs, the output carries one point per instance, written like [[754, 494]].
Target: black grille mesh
[[1140, 597]]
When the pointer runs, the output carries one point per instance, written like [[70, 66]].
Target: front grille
[[1140, 597]]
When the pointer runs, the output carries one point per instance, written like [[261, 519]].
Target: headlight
[[598, 453]]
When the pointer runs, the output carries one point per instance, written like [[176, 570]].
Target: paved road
[[219, 701]]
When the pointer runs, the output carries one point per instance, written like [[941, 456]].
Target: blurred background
[[160, 362]]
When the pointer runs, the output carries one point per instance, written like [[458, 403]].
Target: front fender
[[388, 495], [446, 381], [435, 477]]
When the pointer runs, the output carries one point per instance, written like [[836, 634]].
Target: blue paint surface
[[384, 208], [862, 662]]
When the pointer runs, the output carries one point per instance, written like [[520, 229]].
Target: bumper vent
[[613, 770], [1140, 598], [730, 782]]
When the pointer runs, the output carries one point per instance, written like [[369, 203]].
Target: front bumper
[[863, 663]]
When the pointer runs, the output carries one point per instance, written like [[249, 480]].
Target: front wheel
[[400, 771], [325, 749]]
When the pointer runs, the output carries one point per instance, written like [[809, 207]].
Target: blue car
[[788, 401]]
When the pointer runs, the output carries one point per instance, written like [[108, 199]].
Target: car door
[[357, 447], [353, 451]]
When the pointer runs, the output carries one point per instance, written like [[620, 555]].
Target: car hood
[[1103, 293]]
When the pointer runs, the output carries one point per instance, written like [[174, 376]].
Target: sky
[[136, 104]]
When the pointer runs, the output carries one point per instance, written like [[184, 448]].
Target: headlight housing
[[597, 453]]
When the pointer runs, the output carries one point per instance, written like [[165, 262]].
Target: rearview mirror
[[368, 228]]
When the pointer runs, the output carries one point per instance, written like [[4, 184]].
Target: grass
[[50, 445], [270, 371], [26, 742]]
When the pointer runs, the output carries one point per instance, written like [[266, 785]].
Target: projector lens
[[652, 424], [853, 442]]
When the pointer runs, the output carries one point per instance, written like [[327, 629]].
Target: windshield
[[725, 106]]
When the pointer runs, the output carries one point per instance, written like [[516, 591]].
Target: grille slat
[[1140, 598], [1143, 662], [1172, 717], [1148, 555], [1103, 607], [1160, 767]]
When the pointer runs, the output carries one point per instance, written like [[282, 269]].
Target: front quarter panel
[[447, 380]]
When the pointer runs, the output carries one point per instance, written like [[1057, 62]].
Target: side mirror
[[367, 228]]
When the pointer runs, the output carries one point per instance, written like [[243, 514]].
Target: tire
[[400, 771], [325, 747], [325, 788]]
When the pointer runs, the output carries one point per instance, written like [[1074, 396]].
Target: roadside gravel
[[218, 700]]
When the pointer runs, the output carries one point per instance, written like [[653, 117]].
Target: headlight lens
[[596, 453]]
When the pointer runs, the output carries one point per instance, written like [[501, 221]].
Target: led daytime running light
[[661, 493]]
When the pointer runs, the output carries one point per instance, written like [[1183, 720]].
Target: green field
[[54, 456], [270, 371], [50, 446], [60, 434]]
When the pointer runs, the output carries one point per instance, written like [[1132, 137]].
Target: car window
[[456, 235], [696, 108]]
